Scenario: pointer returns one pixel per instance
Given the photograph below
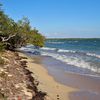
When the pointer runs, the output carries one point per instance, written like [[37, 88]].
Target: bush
[[2, 47]]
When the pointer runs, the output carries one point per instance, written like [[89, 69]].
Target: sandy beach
[[50, 50], [54, 90]]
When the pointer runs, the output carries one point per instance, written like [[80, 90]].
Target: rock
[[6, 72], [2, 70], [17, 86], [9, 75], [29, 94]]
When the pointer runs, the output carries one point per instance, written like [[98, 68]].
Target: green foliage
[[16, 34], [38, 40], [2, 47]]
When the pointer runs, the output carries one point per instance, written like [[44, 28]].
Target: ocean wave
[[71, 51], [46, 48], [75, 61], [72, 41], [58, 50], [29, 50], [94, 55], [56, 42], [26, 49], [71, 60], [29, 46], [62, 50]]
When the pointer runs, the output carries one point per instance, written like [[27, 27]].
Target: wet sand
[[63, 85], [54, 90], [89, 86]]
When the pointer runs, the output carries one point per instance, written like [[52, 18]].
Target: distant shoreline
[[71, 38]]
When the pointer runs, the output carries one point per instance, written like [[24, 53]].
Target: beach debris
[[16, 81], [9, 75]]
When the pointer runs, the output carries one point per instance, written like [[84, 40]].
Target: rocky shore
[[16, 82]]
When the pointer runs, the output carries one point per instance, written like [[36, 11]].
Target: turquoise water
[[80, 55], [81, 45], [72, 62]]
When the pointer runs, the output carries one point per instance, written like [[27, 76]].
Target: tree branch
[[4, 39]]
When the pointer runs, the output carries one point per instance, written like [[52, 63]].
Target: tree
[[37, 40], [16, 34]]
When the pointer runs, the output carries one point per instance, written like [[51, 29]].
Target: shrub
[[2, 47]]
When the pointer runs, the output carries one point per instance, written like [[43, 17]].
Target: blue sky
[[58, 18]]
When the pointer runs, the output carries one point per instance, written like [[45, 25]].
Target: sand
[[54, 90]]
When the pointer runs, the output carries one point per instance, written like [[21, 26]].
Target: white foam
[[26, 49], [73, 61], [46, 48], [29, 46], [94, 55], [62, 50], [58, 50]]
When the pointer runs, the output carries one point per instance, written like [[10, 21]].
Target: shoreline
[[54, 90]]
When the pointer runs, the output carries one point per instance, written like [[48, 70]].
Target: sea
[[71, 62], [80, 56]]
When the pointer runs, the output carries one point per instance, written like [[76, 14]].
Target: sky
[[58, 18]]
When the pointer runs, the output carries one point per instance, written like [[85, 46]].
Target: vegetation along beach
[[53, 53]]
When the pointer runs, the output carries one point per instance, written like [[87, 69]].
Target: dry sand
[[54, 90]]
